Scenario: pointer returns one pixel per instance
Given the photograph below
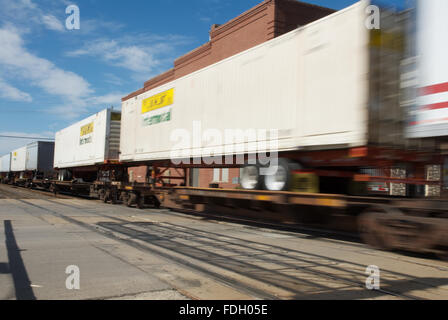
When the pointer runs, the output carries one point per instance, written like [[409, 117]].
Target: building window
[[216, 174], [225, 175]]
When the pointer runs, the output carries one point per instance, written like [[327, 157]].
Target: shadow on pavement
[[22, 283]]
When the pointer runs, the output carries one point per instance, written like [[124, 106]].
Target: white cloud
[[107, 100], [41, 72], [9, 144], [52, 23], [205, 19], [142, 54], [11, 93], [131, 57], [26, 13], [113, 79], [73, 89], [27, 4], [68, 112], [91, 26], [87, 105], [50, 14]]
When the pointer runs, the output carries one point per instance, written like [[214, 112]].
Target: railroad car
[[32, 164], [336, 107], [5, 168]]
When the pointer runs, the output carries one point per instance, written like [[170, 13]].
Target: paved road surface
[[125, 253]]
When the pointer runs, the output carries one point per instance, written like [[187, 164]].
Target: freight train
[[31, 165], [325, 121]]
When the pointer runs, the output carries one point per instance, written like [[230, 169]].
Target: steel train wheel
[[281, 179], [250, 177], [371, 231]]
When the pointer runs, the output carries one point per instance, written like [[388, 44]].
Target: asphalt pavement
[[47, 244]]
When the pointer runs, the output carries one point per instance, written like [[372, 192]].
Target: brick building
[[267, 20]]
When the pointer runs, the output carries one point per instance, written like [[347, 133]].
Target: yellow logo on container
[[158, 101], [389, 40], [85, 130]]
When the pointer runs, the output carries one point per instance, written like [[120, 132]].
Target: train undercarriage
[[408, 214]]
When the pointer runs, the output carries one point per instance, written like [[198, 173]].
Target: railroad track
[[237, 263], [221, 217], [312, 230], [13, 192]]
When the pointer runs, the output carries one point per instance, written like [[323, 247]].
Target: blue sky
[[51, 77]]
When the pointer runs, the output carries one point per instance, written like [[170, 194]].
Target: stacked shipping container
[[94, 140]]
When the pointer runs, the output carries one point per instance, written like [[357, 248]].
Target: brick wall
[[269, 19], [194, 60], [137, 174], [224, 178]]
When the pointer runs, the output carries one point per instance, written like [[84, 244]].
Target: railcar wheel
[[281, 179], [131, 200], [106, 196], [53, 189], [141, 202], [101, 194], [113, 197], [156, 203], [250, 177], [124, 197], [371, 231], [443, 255]]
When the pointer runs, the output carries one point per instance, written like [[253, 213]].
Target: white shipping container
[[39, 156], [35, 156], [92, 141], [18, 160], [310, 84], [430, 117], [5, 163]]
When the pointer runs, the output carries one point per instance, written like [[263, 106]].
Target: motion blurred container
[[90, 142], [333, 91], [34, 157], [39, 157], [429, 116], [322, 86], [5, 163], [18, 160]]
